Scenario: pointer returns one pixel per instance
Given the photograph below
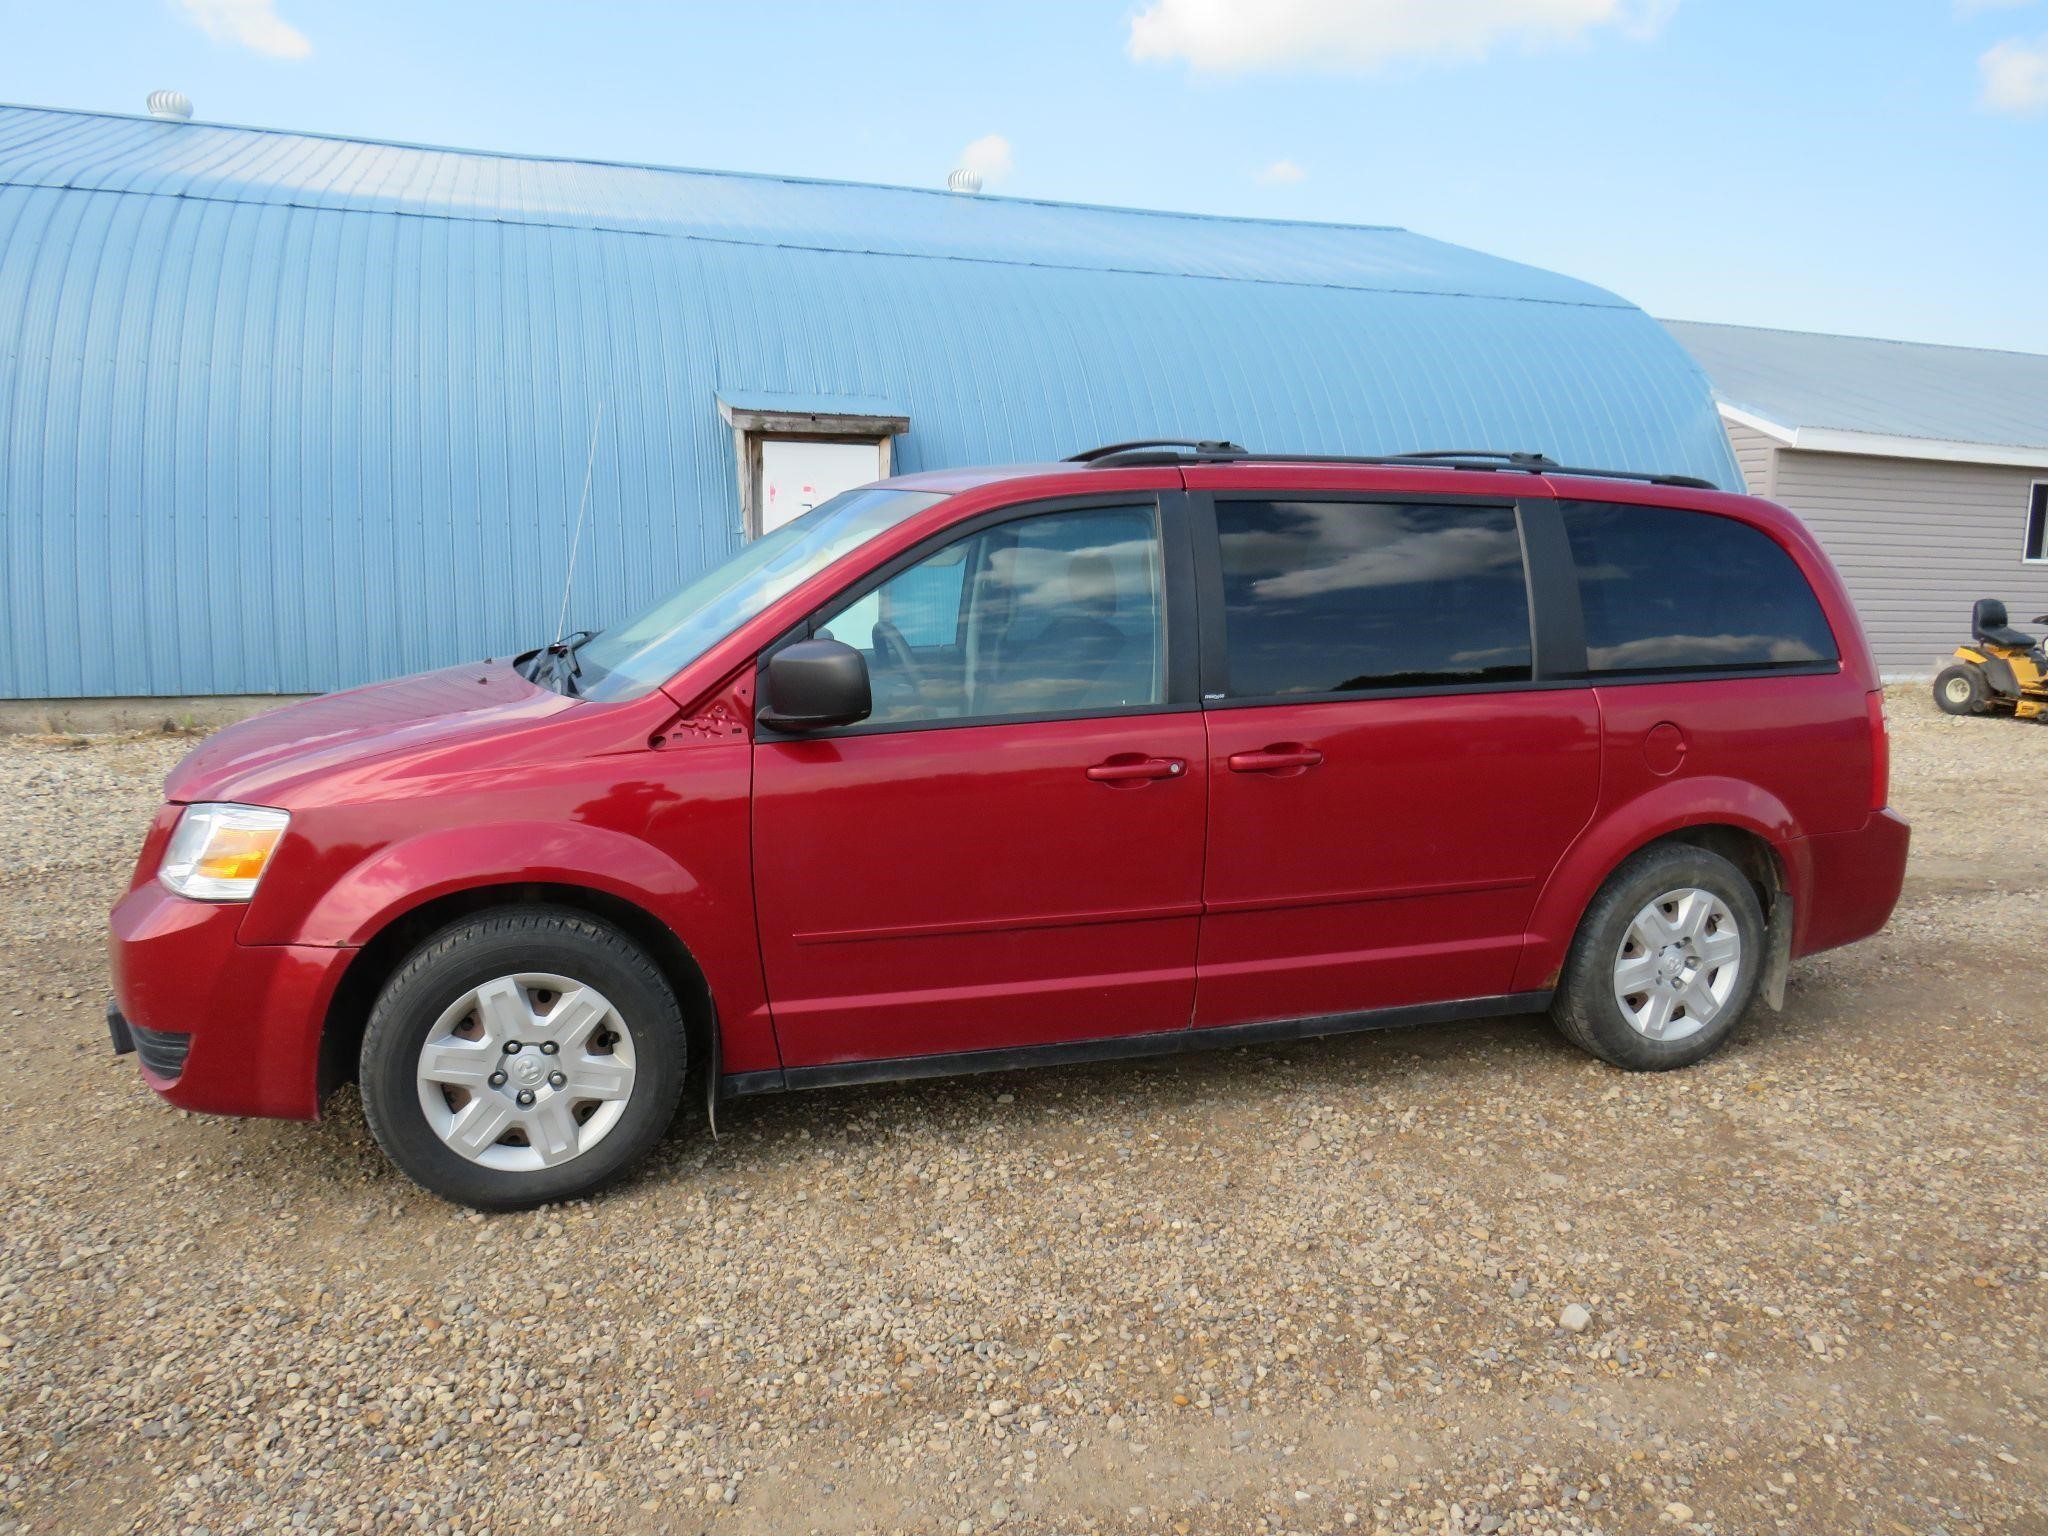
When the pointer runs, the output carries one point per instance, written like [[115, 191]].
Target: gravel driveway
[[1452, 1279]]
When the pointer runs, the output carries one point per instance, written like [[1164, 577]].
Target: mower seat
[[1988, 622]]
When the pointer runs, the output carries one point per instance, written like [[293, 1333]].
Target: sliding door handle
[[1281, 757]]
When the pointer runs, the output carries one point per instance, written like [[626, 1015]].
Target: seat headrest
[[1989, 613]]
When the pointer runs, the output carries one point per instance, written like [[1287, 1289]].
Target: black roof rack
[[1487, 460], [1148, 450]]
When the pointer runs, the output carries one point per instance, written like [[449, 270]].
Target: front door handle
[[1135, 768], [1281, 757]]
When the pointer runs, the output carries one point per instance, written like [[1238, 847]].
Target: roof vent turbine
[[964, 180], [175, 106]]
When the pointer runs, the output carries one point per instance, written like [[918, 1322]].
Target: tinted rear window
[[1668, 590], [1334, 597]]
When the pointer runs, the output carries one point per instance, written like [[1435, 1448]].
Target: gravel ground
[[1457, 1279]]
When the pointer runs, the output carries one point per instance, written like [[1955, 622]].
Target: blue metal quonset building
[[281, 413]]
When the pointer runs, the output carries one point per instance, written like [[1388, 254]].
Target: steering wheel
[[889, 641]]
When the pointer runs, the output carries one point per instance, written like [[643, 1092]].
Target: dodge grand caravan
[[1171, 746]]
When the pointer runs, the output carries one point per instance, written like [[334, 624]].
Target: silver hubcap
[[526, 1071], [1958, 690], [1678, 966]]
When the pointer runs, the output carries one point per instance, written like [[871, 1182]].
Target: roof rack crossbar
[[1203, 448], [1518, 456], [1484, 460]]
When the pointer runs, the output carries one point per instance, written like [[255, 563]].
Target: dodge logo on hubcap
[[529, 1070]]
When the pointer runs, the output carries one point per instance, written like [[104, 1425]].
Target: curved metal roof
[[83, 151], [286, 412]]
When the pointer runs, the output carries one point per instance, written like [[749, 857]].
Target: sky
[[1876, 168]]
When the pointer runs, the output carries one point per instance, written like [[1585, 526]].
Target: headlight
[[219, 852]]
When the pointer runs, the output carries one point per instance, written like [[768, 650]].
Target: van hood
[[259, 759]]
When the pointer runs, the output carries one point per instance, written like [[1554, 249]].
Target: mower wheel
[[1961, 690]]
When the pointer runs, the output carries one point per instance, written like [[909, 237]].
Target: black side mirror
[[814, 684]]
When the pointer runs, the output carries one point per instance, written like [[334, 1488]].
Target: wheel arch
[[348, 1010], [1748, 850], [1742, 823], [1762, 865]]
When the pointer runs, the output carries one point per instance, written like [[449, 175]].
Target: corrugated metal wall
[[283, 414]]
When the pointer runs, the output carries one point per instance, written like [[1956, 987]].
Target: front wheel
[[522, 1056], [1961, 690], [1665, 962]]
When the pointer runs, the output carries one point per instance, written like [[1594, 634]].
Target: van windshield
[[638, 656]]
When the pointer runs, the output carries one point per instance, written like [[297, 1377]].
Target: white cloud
[[1283, 171], [989, 157], [254, 24], [1247, 35], [2014, 76]]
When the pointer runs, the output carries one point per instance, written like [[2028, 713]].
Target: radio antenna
[[576, 538]]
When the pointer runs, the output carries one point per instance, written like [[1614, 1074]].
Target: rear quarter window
[[1668, 590]]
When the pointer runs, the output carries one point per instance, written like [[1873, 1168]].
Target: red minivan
[[1166, 747]]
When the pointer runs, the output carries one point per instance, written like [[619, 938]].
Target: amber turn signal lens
[[219, 852]]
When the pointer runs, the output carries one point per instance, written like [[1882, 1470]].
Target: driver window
[[1054, 614]]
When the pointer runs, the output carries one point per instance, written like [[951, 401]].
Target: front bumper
[[162, 1052], [248, 1016]]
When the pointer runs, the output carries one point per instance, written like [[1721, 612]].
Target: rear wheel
[[1961, 690], [522, 1056], [1665, 962]]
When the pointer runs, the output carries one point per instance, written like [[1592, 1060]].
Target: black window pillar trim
[[1557, 621], [1207, 550], [1182, 596]]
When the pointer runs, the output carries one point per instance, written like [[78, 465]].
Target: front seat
[[1989, 623], [1068, 663]]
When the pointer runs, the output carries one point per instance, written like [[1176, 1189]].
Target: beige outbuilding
[[1922, 469]]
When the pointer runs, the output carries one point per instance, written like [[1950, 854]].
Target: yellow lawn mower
[[2001, 669]]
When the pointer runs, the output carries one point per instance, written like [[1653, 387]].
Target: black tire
[[1585, 1008], [472, 952], [1961, 690]]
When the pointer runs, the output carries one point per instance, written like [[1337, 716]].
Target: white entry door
[[798, 473]]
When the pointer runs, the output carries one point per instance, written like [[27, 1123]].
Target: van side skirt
[[1127, 1047]]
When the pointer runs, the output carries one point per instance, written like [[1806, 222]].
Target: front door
[[1009, 851], [1389, 786]]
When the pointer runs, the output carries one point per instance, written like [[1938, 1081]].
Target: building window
[[791, 461], [2037, 523]]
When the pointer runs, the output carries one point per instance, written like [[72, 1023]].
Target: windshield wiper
[[554, 665]]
